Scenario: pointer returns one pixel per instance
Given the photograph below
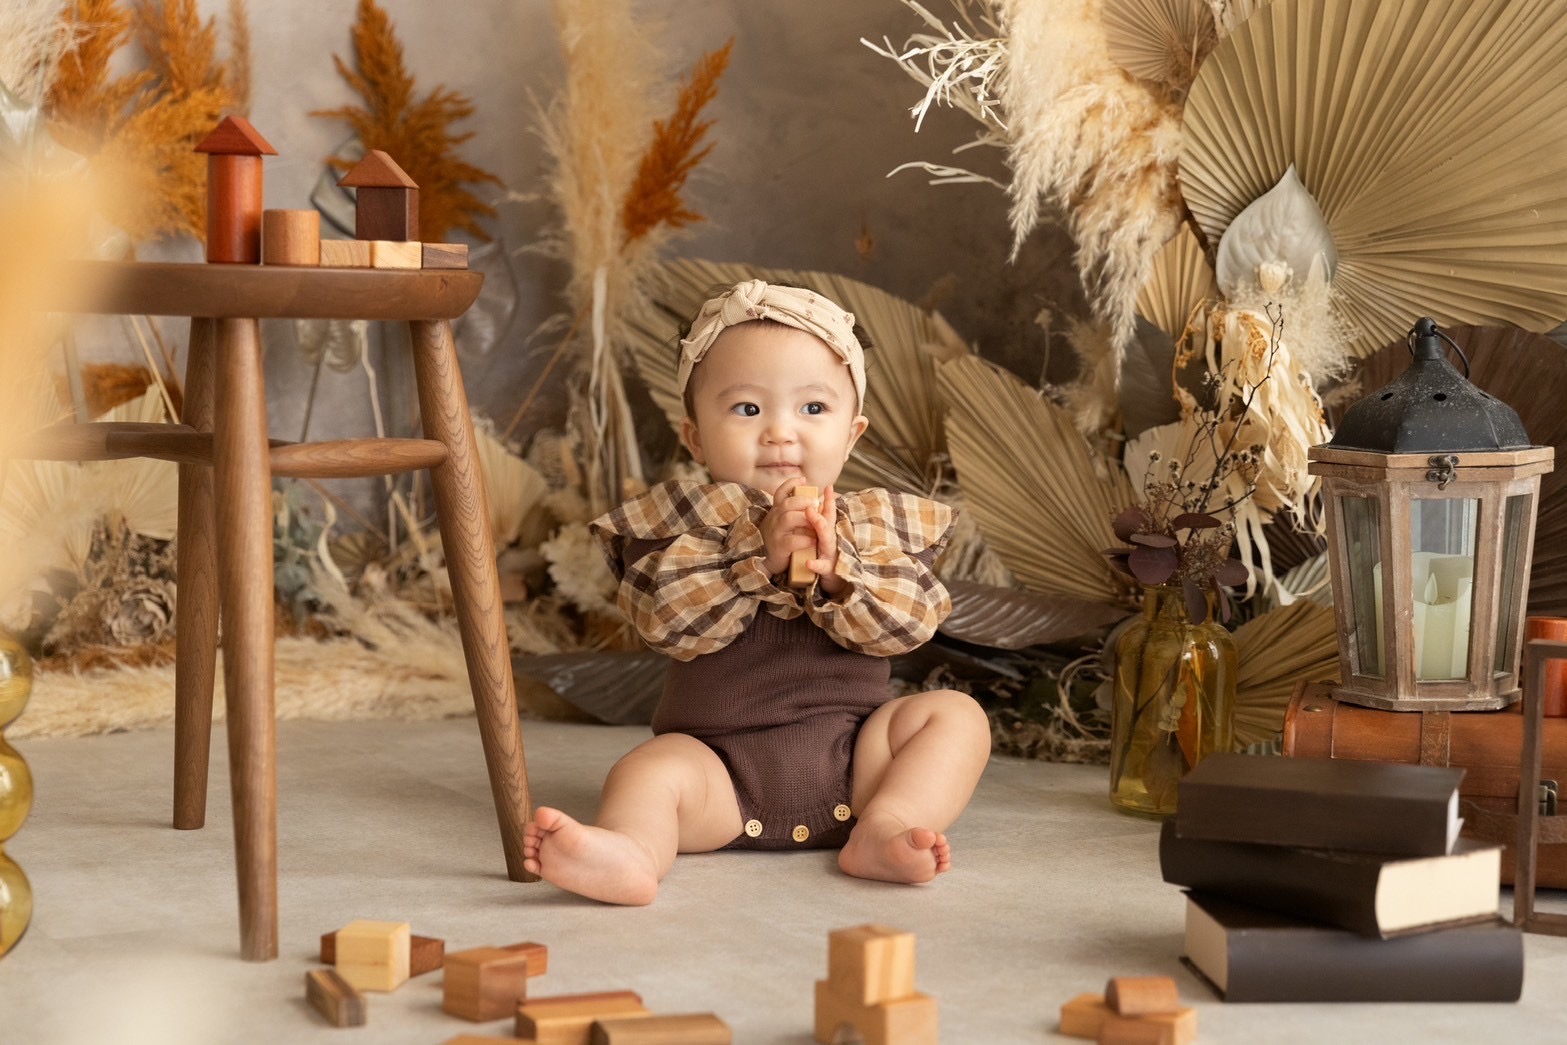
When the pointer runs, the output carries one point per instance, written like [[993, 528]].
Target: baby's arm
[[890, 600]]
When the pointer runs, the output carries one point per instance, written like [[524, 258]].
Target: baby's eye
[[746, 409], [814, 408]]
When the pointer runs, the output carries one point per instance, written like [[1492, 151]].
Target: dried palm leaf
[[1228, 14], [903, 447], [513, 487], [1160, 40], [1043, 499], [616, 688], [1527, 372], [1277, 650], [1181, 281], [1006, 618], [967, 557], [1357, 96]]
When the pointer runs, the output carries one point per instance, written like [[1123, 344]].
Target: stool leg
[[196, 609], [470, 560], [242, 489]]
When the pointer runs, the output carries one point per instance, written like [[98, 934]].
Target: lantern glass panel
[[1515, 521], [1442, 584], [1363, 545]]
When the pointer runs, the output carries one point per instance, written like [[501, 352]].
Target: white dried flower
[[578, 568]]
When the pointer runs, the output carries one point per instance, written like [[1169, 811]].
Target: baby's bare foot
[[589, 861], [884, 849]]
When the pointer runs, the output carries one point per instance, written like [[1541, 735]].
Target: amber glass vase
[[16, 792], [1174, 701]]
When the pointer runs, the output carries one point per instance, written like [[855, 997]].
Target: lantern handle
[[1409, 343]]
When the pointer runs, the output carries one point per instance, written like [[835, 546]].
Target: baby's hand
[[823, 524], [786, 528]]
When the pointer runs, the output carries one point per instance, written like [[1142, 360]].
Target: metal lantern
[[1431, 490]]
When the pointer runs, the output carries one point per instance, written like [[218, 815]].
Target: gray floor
[[135, 937]]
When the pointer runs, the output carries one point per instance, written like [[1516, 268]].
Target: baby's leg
[[667, 795], [916, 762]]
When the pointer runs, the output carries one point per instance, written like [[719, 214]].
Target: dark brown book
[[1320, 803], [1372, 894], [1251, 955]]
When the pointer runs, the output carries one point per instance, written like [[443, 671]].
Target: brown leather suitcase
[[1485, 744]]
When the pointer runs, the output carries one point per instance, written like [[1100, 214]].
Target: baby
[[775, 729]]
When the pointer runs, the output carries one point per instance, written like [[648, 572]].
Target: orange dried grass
[[654, 197], [84, 103], [416, 134]]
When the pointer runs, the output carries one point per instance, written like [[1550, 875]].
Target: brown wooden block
[[373, 956], [425, 954], [1083, 1016], [334, 998], [395, 254], [701, 1028], [800, 574], [234, 196], [911, 1020], [482, 1039], [445, 255], [537, 954], [345, 254], [871, 963], [484, 983], [386, 199], [291, 237], [329, 948], [1142, 995], [567, 1019], [1166, 1028]]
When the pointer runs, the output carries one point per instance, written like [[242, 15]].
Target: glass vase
[[1174, 701], [16, 792]]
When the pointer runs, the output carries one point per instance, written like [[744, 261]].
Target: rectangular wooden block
[[425, 954], [911, 1020], [701, 1028], [1142, 995], [373, 956], [445, 256], [395, 254], [871, 963], [1167, 1028], [567, 1019], [484, 983], [482, 1039], [334, 998], [291, 237], [345, 253], [1083, 1016], [537, 954], [800, 574]]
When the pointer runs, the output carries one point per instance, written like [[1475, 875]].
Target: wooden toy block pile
[[869, 993], [484, 984], [1134, 1010], [386, 213]]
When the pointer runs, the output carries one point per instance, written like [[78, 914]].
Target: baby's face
[[772, 403]]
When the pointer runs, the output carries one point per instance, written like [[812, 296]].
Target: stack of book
[[1313, 880]]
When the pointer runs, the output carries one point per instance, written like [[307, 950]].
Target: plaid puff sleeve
[[886, 544], [703, 579]]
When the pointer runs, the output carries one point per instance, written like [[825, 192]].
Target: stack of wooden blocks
[[1134, 1010], [368, 956], [869, 992]]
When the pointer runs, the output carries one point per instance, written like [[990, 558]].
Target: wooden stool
[[225, 520]]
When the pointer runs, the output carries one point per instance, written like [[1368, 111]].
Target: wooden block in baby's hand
[[1142, 995], [688, 1029], [800, 574], [373, 956], [334, 998], [484, 983]]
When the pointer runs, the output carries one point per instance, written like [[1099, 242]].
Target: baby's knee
[[962, 713]]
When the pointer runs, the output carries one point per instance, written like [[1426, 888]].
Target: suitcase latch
[[1548, 790]]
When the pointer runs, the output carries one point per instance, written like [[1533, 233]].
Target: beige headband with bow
[[756, 299]]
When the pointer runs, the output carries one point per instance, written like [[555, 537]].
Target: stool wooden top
[[147, 288]]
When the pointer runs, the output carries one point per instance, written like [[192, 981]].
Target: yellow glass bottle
[[16, 793], [1174, 701]]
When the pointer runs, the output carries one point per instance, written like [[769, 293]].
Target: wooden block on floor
[[1142, 995], [482, 1039], [484, 983], [329, 948], [1083, 1016], [912, 1020], [698, 1028], [445, 256], [425, 954], [373, 956], [871, 963], [291, 237], [537, 954], [345, 254], [1165, 1028], [334, 998], [567, 1019], [396, 254]]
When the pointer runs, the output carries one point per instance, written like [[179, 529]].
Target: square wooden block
[[871, 963], [373, 956], [396, 254], [484, 983], [345, 254]]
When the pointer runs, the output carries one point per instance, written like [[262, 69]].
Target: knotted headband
[[756, 299]]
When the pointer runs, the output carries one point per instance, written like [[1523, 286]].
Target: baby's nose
[[778, 430]]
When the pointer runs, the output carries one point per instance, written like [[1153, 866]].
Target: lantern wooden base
[[1382, 702]]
